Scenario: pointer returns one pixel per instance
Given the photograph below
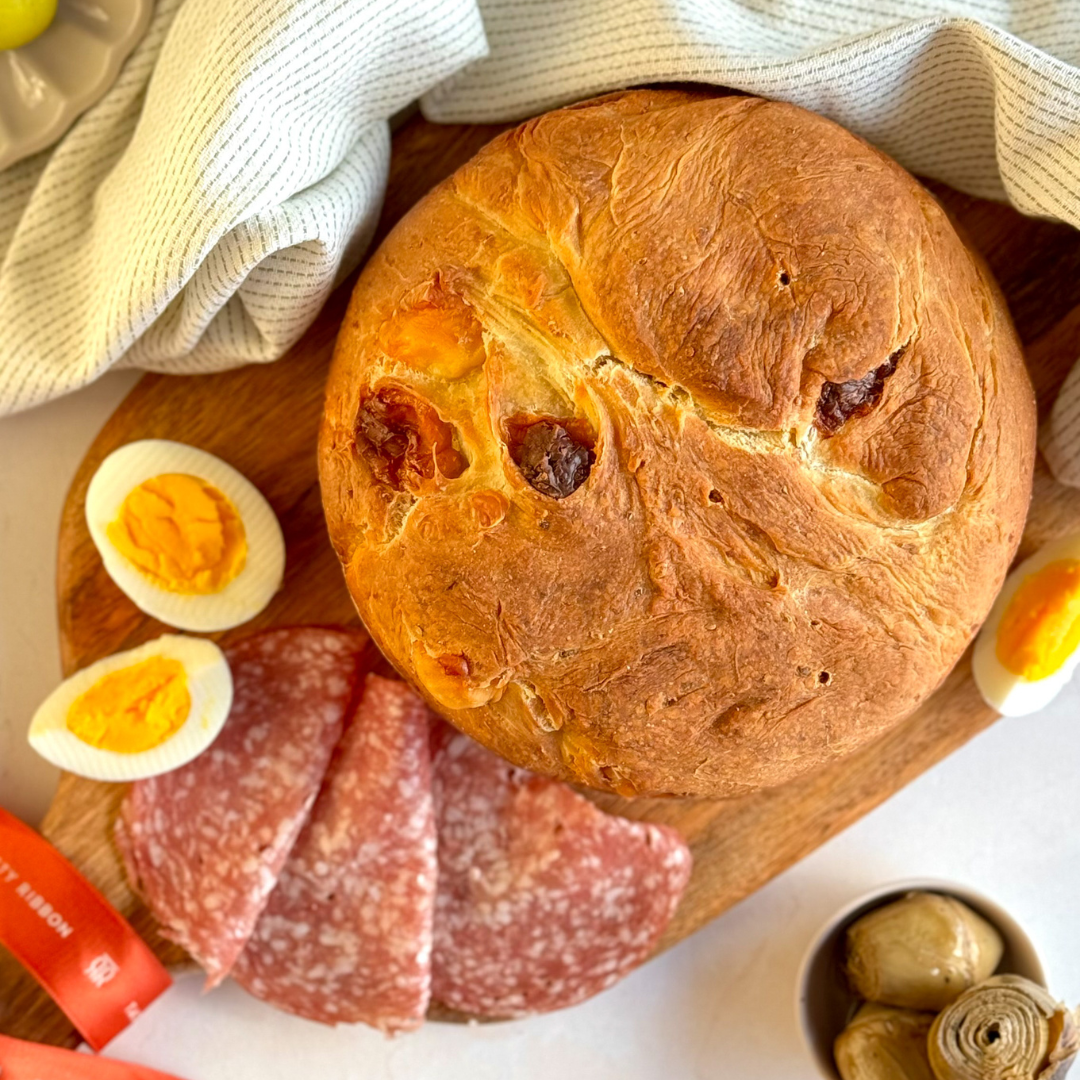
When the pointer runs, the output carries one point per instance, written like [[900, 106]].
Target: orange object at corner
[[21, 1060], [92, 963]]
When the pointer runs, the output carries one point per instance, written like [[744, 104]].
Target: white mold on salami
[[346, 936], [543, 899], [204, 845]]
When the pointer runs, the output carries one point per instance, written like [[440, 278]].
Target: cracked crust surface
[[808, 428]]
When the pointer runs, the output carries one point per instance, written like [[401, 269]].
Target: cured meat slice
[[543, 899], [346, 936], [204, 844]]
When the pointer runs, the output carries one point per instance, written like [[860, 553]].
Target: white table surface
[[1001, 815]]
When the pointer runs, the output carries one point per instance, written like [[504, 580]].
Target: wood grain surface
[[263, 420]]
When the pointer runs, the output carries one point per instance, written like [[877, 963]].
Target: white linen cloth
[[198, 216]]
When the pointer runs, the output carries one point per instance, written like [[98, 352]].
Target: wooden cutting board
[[263, 420]]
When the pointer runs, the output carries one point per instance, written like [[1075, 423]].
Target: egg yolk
[[445, 339], [133, 709], [182, 533], [1040, 629]]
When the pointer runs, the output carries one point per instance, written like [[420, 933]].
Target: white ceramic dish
[[47, 83], [824, 1002]]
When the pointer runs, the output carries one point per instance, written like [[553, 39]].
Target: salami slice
[[543, 899], [346, 936], [204, 844]]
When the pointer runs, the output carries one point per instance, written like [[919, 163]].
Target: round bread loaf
[[676, 444]]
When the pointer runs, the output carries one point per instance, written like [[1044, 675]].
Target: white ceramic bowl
[[825, 1003], [47, 83]]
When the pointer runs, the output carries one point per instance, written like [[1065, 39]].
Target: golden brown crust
[[739, 591]]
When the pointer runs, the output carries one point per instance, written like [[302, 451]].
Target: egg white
[[1011, 694], [246, 595], [209, 682]]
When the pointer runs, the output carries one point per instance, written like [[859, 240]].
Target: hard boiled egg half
[[1029, 645], [190, 540], [136, 713]]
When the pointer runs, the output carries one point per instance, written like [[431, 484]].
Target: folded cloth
[[198, 216], [1059, 438]]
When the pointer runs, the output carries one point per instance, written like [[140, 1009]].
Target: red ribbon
[[96, 968], [31, 1061]]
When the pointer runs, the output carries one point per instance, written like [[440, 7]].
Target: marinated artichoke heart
[[883, 1043], [920, 952], [1006, 1028]]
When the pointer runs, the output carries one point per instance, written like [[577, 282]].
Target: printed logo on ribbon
[[97, 969]]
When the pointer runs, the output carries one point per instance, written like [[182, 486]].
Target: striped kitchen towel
[[198, 216]]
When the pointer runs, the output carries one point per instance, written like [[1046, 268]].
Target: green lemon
[[22, 20]]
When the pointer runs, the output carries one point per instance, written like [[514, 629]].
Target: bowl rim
[[1013, 933]]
